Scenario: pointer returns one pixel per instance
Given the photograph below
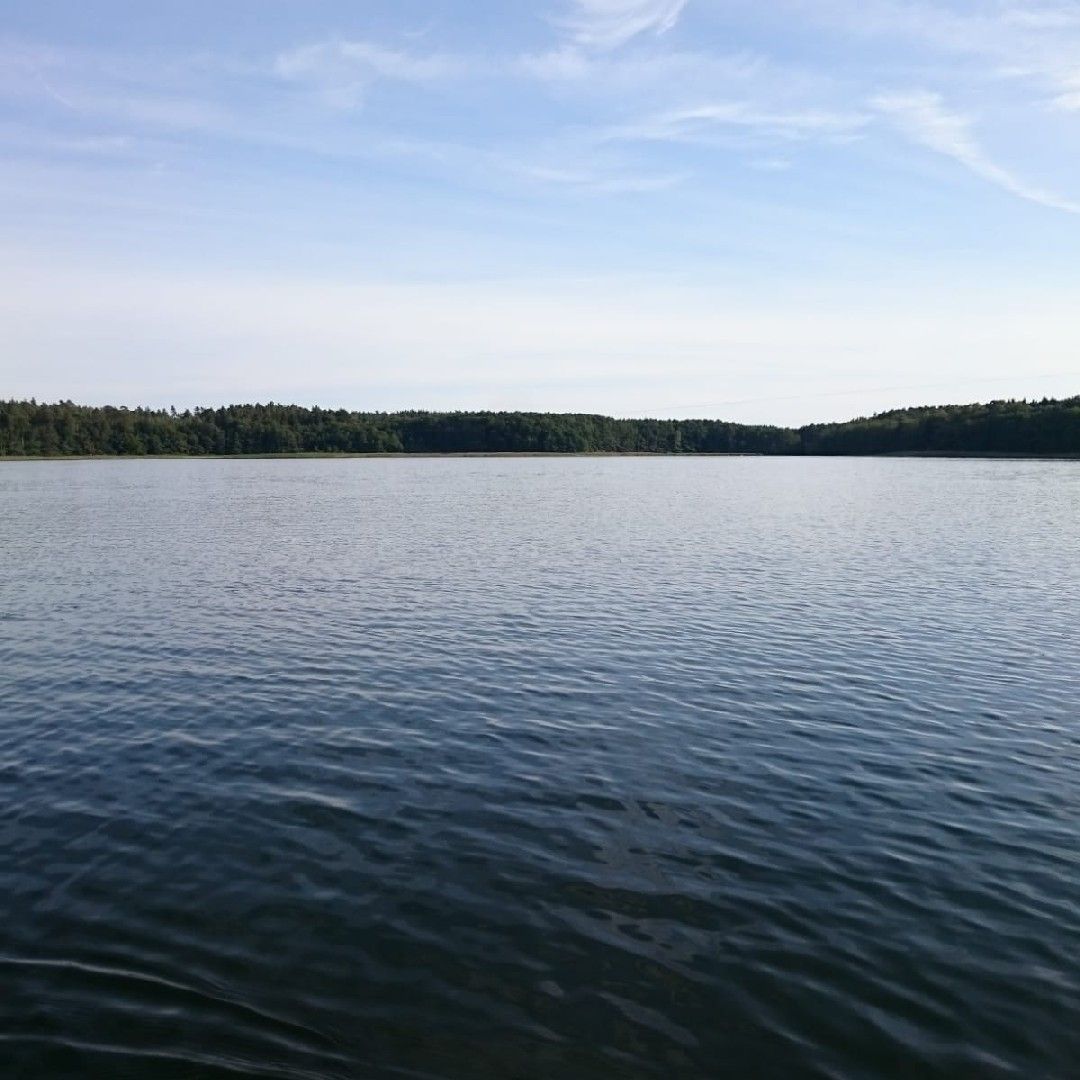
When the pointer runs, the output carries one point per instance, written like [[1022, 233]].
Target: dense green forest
[[29, 429]]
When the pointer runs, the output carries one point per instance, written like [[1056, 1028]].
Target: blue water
[[540, 768]]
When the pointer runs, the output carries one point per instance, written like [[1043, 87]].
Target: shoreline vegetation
[[1049, 428], [314, 455]]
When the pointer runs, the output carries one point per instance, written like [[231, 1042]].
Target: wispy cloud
[[1069, 99], [773, 164], [1042, 16], [594, 181], [611, 119], [607, 24], [1004, 38], [94, 146], [342, 71], [692, 124], [114, 88], [925, 120], [991, 26], [652, 75]]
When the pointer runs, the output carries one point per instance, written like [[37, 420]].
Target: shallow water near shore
[[579, 768]]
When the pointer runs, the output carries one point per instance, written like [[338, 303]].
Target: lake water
[[552, 768]]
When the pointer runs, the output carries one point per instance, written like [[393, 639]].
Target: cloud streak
[[924, 119], [1069, 100], [609, 24], [342, 71], [693, 124], [1027, 40], [590, 181]]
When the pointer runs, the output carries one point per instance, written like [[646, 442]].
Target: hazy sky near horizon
[[785, 210]]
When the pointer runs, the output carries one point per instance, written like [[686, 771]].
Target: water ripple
[[576, 768]]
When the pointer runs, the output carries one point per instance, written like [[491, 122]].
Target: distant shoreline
[[397, 456], [1019, 429]]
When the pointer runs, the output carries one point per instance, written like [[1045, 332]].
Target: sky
[[759, 210]]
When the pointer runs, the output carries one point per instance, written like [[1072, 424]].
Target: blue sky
[[793, 210]]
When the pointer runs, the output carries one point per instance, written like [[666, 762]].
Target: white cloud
[[120, 89], [567, 65], [1069, 100], [342, 71], [924, 119], [1026, 40], [607, 24], [773, 164], [650, 76], [690, 124], [93, 146], [997, 27], [596, 181]]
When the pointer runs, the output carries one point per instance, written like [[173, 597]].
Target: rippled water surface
[[540, 768]]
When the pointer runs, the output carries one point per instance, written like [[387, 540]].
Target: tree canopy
[[31, 429]]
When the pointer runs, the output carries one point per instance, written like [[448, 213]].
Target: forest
[[32, 429]]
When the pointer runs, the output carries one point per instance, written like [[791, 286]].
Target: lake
[[575, 768]]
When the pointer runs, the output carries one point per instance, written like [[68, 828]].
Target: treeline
[[30, 429], [1001, 427]]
